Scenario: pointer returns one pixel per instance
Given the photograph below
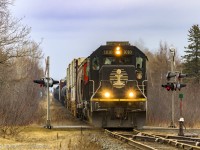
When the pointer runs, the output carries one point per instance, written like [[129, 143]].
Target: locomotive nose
[[117, 73], [118, 83]]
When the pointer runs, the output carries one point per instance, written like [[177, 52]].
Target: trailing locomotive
[[108, 88]]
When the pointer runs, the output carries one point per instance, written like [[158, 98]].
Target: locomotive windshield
[[95, 63], [139, 62], [117, 61]]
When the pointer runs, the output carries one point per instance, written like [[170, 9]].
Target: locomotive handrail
[[143, 85], [92, 85], [94, 94]]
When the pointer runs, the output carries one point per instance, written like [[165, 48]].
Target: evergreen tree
[[192, 57]]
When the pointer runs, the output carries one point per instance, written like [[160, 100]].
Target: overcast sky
[[74, 28]]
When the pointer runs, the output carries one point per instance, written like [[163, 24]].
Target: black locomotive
[[108, 88]]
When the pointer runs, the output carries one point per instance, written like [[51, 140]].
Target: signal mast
[[47, 82], [174, 85]]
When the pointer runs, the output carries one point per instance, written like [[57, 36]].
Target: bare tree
[[159, 99], [19, 65], [13, 35]]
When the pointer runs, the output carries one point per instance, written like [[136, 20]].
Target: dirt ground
[[40, 138], [37, 137]]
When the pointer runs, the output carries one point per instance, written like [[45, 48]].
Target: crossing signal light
[[176, 85], [170, 75], [169, 86], [180, 85], [181, 75], [173, 86], [55, 82], [52, 82], [43, 82]]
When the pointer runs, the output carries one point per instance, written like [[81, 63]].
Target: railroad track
[[146, 141]]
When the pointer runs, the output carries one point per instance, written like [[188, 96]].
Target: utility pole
[[48, 123], [172, 51]]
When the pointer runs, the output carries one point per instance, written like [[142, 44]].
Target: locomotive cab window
[[139, 62], [125, 60], [108, 60], [116, 61], [95, 63]]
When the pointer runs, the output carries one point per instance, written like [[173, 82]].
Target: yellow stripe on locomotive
[[119, 100]]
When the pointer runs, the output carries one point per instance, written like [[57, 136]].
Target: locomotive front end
[[119, 96]]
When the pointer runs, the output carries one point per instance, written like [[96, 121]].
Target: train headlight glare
[[107, 94], [118, 51], [131, 94], [117, 48]]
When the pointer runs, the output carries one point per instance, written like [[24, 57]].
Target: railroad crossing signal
[[43, 82], [47, 82], [176, 84], [175, 74], [173, 86], [170, 75]]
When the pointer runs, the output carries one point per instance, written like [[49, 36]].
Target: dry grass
[[37, 137], [40, 138], [58, 113]]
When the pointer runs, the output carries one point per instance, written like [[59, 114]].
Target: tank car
[[108, 88]]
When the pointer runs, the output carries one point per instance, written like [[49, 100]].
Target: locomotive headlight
[[118, 48], [107, 94], [131, 94], [118, 51]]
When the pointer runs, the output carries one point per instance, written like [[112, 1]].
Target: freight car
[[109, 87], [59, 92]]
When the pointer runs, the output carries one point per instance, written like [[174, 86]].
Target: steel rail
[[184, 139], [172, 142], [129, 141]]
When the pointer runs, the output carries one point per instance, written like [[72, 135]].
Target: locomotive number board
[[111, 52]]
